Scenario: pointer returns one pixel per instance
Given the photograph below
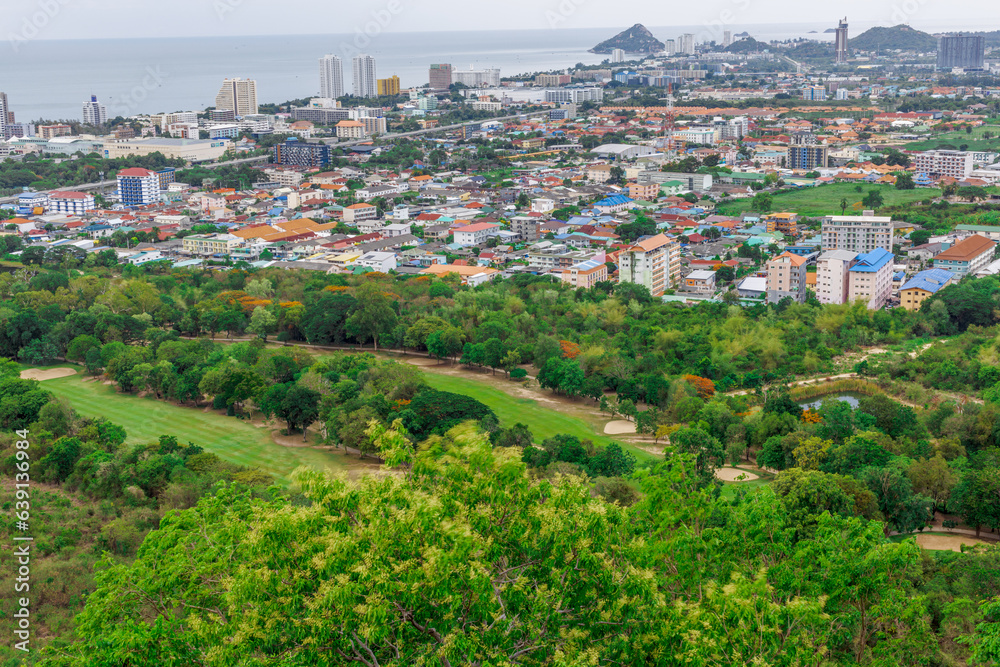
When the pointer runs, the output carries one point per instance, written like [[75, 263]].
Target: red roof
[[66, 194], [136, 171]]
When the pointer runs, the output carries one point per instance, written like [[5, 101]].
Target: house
[[923, 286], [644, 191], [753, 287], [870, 278], [614, 204], [967, 256], [786, 277], [358, 212], [470, 275], [599, 173], [378, 261], [702, 282], [586, 274], [472, 235]]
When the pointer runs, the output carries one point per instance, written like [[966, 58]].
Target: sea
[[49, 79]]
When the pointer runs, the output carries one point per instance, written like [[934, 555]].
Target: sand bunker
[[735, 475], [620, 427], [46, 374], [946, 542], [423, 361]]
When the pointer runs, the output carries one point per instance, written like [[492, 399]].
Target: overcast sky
[[73, 19]]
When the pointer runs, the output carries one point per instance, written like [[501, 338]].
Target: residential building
[[937, 164], [857, 233], [805, 152], [832, 273], [786, 277], [52, 131], [440, 77], [841, 42], [967, 256], [923, 286], [229, 131], [470, 275], [586, 274], [651, 263], [870, 279], [350, 129], [478, 78], [552, 80], [599, 173], [331, 77], [94, 113], [958, 51], [487, 105], [686, 44], [618, 55], [476, 234], [71, 203], [702, 282], [378, 261], [814, 93], [4, 118], [356, 213], [388, 86], [239, 96], [782, 223], [302, 154], [138, 187], [210, 244], [364, 76], [575, 95]]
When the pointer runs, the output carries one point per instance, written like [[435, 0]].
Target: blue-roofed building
[[614, 204], [923, 286], [870, 278]]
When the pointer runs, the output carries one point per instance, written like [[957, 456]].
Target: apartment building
[[138, 187], [365, 79], [586, 274], [832, 272], [786, 277], [857, 233], [350, 129], [476, 234], [967, 256], [53, 131], [71, 203], [302, 154], [782, 223], [653, 263], [331, 77], [360, 212], [923, 286], [870, 279], [938, 164], [210, 244], [440, 76], [644, 191], [239, 96], [94, 113], [388, 86]]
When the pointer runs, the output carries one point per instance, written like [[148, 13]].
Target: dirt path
[[43, 374], [947, 542]]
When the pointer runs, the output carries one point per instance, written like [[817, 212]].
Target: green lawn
[[825, 199], [543, 422], [976, 140], [146, 419]]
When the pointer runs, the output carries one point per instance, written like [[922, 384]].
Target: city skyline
[[108, 19]]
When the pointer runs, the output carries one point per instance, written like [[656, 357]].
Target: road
[[263, 158]]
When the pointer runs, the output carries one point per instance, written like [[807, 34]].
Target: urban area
[[689, 357]]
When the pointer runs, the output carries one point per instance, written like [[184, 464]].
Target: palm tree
[[843, 206]]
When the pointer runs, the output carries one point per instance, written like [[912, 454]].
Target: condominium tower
[[365, 80], [440, 76], [239, 96], [94, 113], [842, 40], [331, 77]]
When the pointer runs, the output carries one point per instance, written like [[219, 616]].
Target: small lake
[[846, 397]]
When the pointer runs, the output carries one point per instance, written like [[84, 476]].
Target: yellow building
[[923, 286], [388, 86]]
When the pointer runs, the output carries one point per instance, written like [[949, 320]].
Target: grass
[[824, 200], [146, 419], [975, 140], [543, 422]]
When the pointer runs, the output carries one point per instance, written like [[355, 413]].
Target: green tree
[[373, 315], [262, 322]]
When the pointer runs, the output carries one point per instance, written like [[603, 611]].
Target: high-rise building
[[786, 277], [857, 233], [238, 96], [670, 47], [961, 51], [618, 56], [388, 86], [832, 275], [653, 263], [727, 38], [138, 187], [3, 116], [365, 79], [331, 77], [475, 78], [841, 42], [685, 44], [94, 113], [440, 76]]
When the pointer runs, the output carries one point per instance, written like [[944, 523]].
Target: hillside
[[901, 37], [748, 45], [637, 39]]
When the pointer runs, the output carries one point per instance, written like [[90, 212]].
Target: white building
[[71, 203], [936, 164], [857, 233], [477, 78], [238, 95], [94, 113], [870, 279], [227, 131], [832, 272], [476, 234], [618, 56], [138, 187], [685, 44], [331, 77], [378, 261], [365, 76], [653, 263]]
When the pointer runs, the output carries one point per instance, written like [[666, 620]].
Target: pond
[[846, 397]]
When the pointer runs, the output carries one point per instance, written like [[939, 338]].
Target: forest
[[572, 553]]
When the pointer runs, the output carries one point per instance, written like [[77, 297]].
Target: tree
[[262, 322], [974, 498], [445, 343], [762, 202], [373, 315], [708, 451], [843, 206], [873, 200]]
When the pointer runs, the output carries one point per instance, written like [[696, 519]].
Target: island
[[637, 39]]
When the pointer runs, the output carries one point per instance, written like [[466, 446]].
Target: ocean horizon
[[50, 79]]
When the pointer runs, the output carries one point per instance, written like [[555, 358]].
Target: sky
[[83, 19]]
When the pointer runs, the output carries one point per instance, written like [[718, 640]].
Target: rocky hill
[[901, 37], [637, 39]]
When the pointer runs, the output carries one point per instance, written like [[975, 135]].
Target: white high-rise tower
[[331, 77], [94, 113], [365, 78]]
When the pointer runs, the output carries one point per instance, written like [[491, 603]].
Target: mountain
[[637, 39], [746, 45], [901, 37]]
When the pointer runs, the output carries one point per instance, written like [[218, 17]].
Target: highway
[[263, 158]]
